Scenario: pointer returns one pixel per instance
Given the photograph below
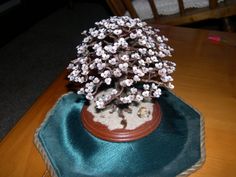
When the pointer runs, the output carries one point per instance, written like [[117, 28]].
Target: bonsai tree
[[126, 56]]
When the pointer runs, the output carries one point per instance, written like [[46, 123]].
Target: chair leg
[[227, 25]]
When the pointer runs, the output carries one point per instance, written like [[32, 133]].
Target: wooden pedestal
[[120, 135]]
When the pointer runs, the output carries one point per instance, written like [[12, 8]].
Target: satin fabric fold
[[73, 152]]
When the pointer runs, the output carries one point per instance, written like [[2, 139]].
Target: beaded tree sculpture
[[126, 56]]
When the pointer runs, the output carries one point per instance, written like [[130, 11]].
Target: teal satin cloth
[[166, 152]]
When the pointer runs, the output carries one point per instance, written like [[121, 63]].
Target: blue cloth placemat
[[172, 149]]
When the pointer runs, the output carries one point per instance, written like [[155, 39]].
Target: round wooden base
[[120, 135]]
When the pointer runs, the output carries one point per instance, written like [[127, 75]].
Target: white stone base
[[113, 121]]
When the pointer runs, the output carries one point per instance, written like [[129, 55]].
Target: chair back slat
[[130, 8], [154, 9], [117, 7], [213, 4], [181, 7]]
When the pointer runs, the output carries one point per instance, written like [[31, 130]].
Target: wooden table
[[205, 78]]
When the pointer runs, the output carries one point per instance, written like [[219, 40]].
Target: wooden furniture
[[185, 16], [205, 78]]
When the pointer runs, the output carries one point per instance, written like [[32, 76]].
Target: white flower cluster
[[148, 90], [122, 52]]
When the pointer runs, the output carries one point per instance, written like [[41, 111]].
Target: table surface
[[205, 78]]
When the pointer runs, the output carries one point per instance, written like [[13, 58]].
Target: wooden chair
[[185, 16]]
